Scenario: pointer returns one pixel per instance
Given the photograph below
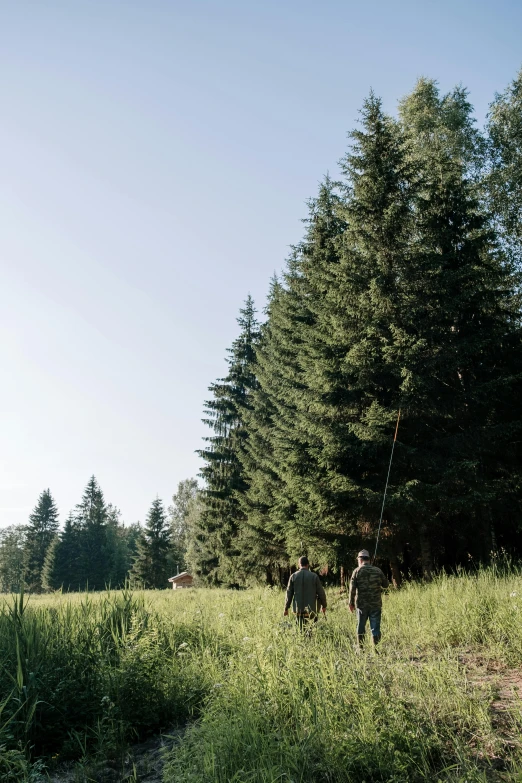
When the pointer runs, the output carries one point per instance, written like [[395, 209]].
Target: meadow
[[247, 698]]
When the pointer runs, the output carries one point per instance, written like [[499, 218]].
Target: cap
[[364, 553]]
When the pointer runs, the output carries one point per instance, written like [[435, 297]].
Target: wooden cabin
[[181, 580]]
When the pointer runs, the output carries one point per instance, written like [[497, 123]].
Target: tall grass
[[84, 674], [294, 707]]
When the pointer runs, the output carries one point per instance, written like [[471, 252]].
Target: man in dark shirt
[[366, 586], [306, 593]]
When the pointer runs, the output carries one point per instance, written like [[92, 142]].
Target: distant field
[[84, 675]]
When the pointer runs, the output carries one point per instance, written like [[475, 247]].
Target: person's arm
[[320, 593], [353, 588], [384, 581], [289, 594]]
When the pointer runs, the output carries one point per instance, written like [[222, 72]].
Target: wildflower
[[513, 594], [246, 638], [221, 614], [182, 645]]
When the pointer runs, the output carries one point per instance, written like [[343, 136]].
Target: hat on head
[[364, 553]]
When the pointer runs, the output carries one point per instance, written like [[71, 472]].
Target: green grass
[[83, 675]]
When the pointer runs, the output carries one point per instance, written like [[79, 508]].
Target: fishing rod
[[386, 487]]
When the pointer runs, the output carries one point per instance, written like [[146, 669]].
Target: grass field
[[84, 675]]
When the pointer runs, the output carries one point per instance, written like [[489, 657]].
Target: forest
[[95, 550], [404, 294]]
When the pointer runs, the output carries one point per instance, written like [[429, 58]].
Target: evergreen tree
[[117, 548], [62, 564], [460, 350], [42, 528], [150, 568], [280, 454], [131, 535], [261, 540], [91, 520], [213, 546], [349, 386]]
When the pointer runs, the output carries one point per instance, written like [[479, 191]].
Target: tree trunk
[[396, 572], [426, 558], [493, 534]]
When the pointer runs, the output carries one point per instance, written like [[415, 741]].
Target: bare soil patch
[[141, 763]]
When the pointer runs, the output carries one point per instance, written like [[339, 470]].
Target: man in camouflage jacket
[[366, 586]]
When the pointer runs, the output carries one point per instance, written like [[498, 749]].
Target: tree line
[[404, 293], [95, 550]]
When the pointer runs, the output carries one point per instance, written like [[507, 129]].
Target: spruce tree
[[280, 458], [460, 349], [150, 568], [62, 564], [91, 521], [261, 541], [42, 528], [119, 560], [213, 545], [349, 384]]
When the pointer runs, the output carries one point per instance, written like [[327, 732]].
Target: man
[[305, 592], [366, 586]]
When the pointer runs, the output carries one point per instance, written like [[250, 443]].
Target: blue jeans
[[374, 616]]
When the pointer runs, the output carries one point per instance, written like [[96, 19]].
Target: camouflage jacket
[[366, 585], [305, 592]]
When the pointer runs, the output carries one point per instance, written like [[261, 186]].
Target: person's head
[[363, 557], [303, 562]]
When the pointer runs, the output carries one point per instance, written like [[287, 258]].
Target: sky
[[155, 162]]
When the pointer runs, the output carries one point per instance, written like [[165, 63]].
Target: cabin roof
[[180, 576]]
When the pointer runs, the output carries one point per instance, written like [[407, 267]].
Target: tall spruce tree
[[117, 549], [261, 539], [460, 349], [42, 528], [62, 564], [280, 459], [348, 268], [150, 567], [213, 546], [91, 521]]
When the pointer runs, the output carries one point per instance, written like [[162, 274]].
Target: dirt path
[[141, 763]]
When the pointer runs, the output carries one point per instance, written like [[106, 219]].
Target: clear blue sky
[[155, 160]]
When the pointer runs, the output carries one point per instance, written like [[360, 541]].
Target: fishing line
[[386, 487]]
